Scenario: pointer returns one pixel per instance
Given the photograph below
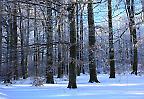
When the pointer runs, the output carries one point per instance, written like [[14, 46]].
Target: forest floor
[[123, 87]]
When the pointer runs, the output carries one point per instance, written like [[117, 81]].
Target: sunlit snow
[[123, 87]]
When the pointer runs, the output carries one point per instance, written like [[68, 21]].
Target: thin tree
[[60, 45], [36, 48], [111, 45], [91, 27], [13, 41], [8, 75], [27, 40], [142, 2], [133, 35], [81, 38], [0, 35], [78, 38], [22, 43]]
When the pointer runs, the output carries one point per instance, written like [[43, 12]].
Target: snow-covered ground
[[123, 87]]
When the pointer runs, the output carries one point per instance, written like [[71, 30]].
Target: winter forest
[[57, 45]]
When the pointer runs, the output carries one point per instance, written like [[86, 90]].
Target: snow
[[123, 87]]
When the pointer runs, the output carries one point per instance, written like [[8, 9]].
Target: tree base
[[72, 87], [50, 82], [112, 76], [134, 72], [91, 81]]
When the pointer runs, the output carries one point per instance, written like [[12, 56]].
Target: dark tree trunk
[[60, 45], [36, 45], [142, 1], [92, 64], [81, 41], [22, 47], [8, 55], [142, 5], [78, 39], [21, 28], [22, 57], [27, 41], [14, 40], [133, 36], [111, 46], [60, 65], [72, 64], [0, 36], [64, 50], [49, 33], [130, 29]]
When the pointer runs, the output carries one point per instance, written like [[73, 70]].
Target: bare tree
[[81, 39], [91, 27], [72, 64], [0, 36], [111, 46], [60, 45], [36, 45], [22, 43], [49, 34], [26, 54], [133, 35], [14, 41], [142, 1]]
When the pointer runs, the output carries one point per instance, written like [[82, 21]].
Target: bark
[[22, 47], [27, 41], [22, 36], [78, 40], [36, 46], [72, 64], [142, 1], [111, 46], [60, 65], [8, 55], [0, 36], [14, 40], [142, 5], [91, 26], [133, 36], [81, 40], [49, 33], [60, 45], [64, 49]]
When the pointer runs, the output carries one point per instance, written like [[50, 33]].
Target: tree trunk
[[27, 41], [36, 45], [72, 64], [92, 64], [14, 40], [0, 36], [111, 46], [78, 39], [64, 49], [81, 40], [142, 1], [60, 45], [60, 65], [49, 33], [133, 36], [22, 46], [8, 55]]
